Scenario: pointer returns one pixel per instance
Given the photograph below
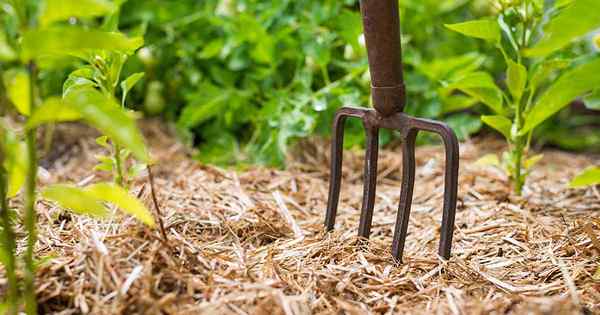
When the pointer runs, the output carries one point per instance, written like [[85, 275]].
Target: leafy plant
[[41, 40], [541, 78]]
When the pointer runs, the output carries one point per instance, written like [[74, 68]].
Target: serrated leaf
[[516, 79], [52, 110], [488, 160], [129, 83], [576, 20], [75, 199], [105, 115], [61, 41], [569, 86], [484, 29], [589, 177], [17, 87], [500, 123], [60, 10], [118, 196]]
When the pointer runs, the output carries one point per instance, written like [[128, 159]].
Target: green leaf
[[592, 101], [545, 69], [516, 79], [481, 86], [52, 110], [484, 29], [17, 87], [75, 199], [500, 123], [578, 19], [15, 162], [103, 142], [212, 49], [569, 86], [7, 53], [60, 41], [589, 177], [60, 10], [105, 115], [455, 103], [530, 162], [488, 160], [128, 84], [118, 196], [464, 124]]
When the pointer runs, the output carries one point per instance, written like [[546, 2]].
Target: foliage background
[[244, 79]]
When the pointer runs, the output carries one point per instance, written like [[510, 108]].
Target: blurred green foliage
[[244, 79]]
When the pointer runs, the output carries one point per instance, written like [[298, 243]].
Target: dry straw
[[252, 242]]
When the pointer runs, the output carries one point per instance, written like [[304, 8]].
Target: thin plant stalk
[[10, 245], [30, 213]]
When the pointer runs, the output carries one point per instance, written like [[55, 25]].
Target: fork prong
[[370, 180], [406, 194], [335, 177]]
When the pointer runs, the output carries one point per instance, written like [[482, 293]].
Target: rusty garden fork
[[381, 24]]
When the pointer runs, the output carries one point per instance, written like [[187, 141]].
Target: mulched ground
[[252, 241]]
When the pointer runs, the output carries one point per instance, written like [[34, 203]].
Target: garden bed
[[252, 241]]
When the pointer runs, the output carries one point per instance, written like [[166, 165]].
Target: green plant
[[541, 76], [39, 41]]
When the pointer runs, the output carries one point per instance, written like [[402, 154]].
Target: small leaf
[[530, 162], [103, 142], [128, 84], [17, 86], [52, 110], [481, 86], [484, 29], [105, 115], [488, 160], [500, 123], [75, 199], [118, 196], [578, 19], [516, 79], [15, 162], [589, 177], [61, 41], [60, 10], [569, 86]]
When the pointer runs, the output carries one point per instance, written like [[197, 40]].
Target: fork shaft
[[370, 181]]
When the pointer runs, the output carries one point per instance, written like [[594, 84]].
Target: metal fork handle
[[381, 23]]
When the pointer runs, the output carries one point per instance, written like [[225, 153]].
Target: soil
[[252, 242]]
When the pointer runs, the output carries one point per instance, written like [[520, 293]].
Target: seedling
[[539, 81]]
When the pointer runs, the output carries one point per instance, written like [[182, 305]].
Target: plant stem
[[156, 206], [30, 214], [9, 245], [119, 179]]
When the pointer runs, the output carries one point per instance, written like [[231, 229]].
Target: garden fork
[[381, 24]]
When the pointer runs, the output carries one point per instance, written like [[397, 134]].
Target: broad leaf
[[15, 162], [464, 124], [74, 41], [589, 177], [75, 199], [129, 83], [569, 86], [17, 87], [105, 115], [52, 110], [481, 86], [516, 79], [60, 10], [484, 29], [580, 18], [118, 196], [455, 103], [500, 123], [545, 69]]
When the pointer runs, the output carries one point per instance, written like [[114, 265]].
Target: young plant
[[540, 79], [40, 40]]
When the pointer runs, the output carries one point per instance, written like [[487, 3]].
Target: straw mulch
[[252, 241]]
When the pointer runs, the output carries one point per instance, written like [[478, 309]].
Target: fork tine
[[406, 193], [370, 180], [450, 190], [335, 176]]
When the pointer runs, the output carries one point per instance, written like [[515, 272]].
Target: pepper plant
[[541, 76], [37, 38]]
